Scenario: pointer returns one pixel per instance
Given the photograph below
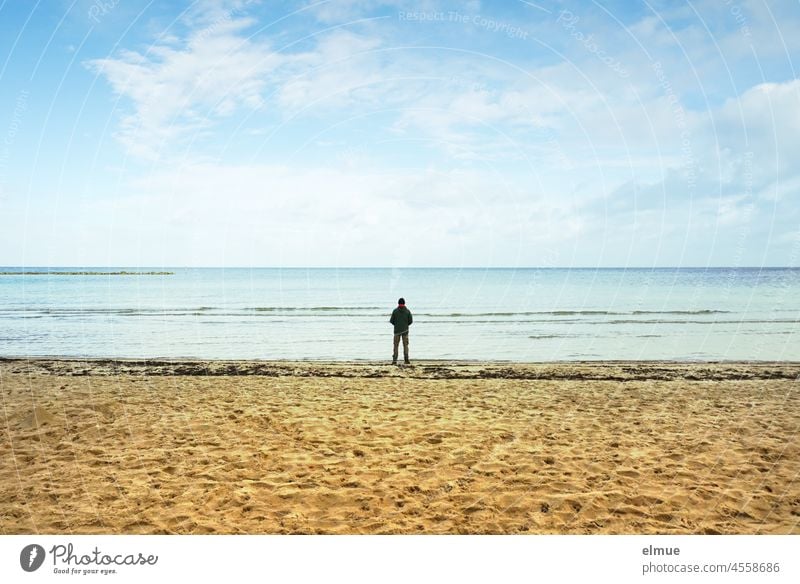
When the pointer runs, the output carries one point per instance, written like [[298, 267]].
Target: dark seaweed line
[[158, 368]]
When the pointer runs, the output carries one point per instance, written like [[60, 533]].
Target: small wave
[[26, 316], [83, 312], [82, 273], [664, 321], [573, 313], [313, 308], [522, 313], [704, 311]]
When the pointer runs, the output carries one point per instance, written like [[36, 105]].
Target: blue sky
[[393, 133]]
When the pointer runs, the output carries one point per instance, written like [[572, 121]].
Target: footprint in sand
[[38, 418]]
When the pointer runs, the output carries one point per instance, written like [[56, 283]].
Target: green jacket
[[401, 319]]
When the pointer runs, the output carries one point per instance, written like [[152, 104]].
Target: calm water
[[505, 314]]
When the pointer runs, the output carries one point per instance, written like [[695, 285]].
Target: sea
[[342, 314]]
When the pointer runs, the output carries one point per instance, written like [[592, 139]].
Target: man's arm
[[410, 318], [391, 319]]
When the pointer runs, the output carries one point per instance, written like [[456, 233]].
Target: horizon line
[[243, 267]]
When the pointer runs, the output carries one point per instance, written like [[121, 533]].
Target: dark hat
[[401, 301]]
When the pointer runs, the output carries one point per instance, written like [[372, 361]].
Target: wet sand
[[439, 447]]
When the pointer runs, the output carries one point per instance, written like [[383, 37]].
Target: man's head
[[402, 301]]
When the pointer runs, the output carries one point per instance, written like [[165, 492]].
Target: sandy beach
[[365, 448]]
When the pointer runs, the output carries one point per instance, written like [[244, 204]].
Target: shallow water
[[342, 314]]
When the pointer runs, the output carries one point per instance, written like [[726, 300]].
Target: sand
[[107, 447]]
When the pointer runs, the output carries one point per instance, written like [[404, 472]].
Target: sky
[[358, 133]]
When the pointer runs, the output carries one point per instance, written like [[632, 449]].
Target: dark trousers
[[405, 346]]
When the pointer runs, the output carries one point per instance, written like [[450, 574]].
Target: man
[[401, 319]]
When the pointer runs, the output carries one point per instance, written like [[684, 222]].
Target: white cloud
[[764, 120], [212, 214], [340, 72], [344, 11], [175, 92], [782, 190]]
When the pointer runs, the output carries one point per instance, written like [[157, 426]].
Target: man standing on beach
[[401, 319]]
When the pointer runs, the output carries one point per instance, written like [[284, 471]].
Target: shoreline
[[384, 361], [423, 369]]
